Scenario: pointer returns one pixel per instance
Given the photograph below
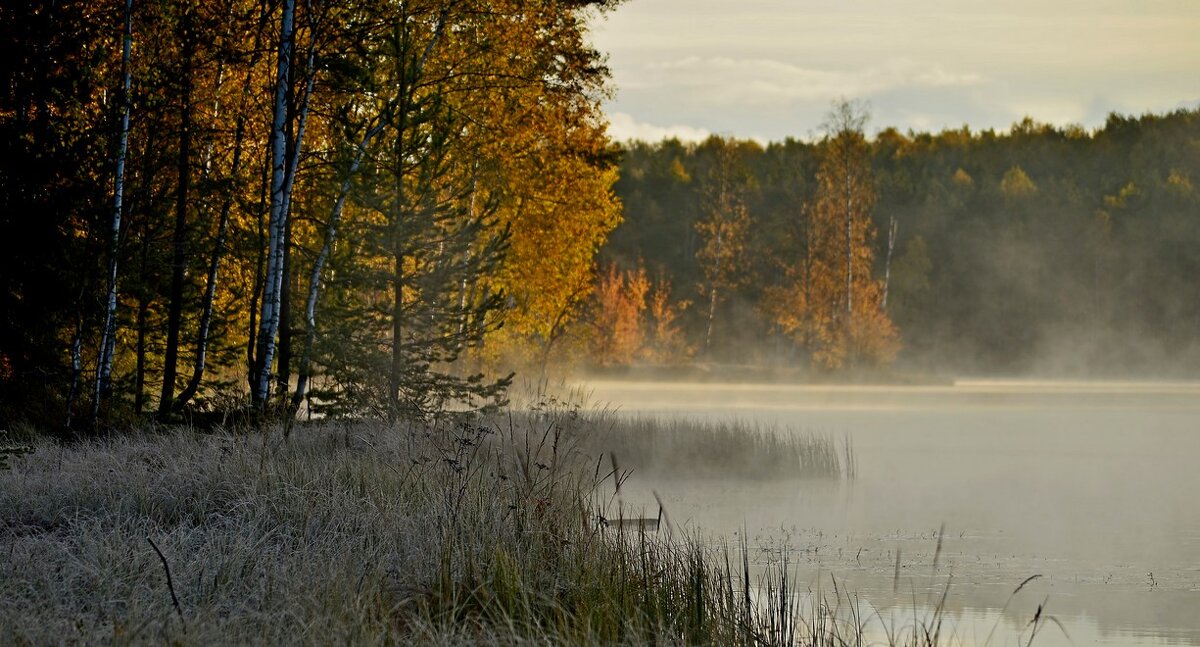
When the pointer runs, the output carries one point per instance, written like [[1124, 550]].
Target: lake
[[1094, 486]]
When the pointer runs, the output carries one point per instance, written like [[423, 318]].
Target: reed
[[723, 449]]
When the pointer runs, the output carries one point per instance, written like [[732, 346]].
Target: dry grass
[[480, 532]]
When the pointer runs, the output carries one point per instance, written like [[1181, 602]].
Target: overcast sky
[[769, 69]]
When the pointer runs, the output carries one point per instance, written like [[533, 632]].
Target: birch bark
[[314, 281], [108, 334], [276, 228]]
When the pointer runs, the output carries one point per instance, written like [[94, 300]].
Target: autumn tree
[[835, 308], [617, 318], [463, 149], [542, 155], [344, 175], [723, 229], [666, 341]]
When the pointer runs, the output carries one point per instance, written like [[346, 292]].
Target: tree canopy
[[337, 204], [1042, 249]]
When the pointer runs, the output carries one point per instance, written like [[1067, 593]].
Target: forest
[[353, 207], [382, 209], [1041, 250]]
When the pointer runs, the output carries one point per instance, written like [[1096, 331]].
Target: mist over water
[[1092, 485]]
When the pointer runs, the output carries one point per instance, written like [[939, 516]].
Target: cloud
[[761, 81], [623, 127]]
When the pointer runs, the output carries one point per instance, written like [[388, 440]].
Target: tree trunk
[[143, 292], [849, 254], [394, 381], [276, 229], [808, 320], [76, 371], [314, 281], [887, 264], [285, 291], [210, 289], [139, 379], [179, 254], [252, 368], [109, 332], [283, 352], [712, 301]]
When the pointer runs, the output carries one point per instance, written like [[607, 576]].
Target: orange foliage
[[667, 343], [833, 307], [619, 301]]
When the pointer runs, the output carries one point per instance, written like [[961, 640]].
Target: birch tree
[[280, 188], [109, 332], [723, 230], [845, 316], [316, 277]]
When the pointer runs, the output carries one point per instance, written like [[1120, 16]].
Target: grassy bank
[[451, 533]]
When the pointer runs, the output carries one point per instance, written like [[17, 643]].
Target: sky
[[770, 69]]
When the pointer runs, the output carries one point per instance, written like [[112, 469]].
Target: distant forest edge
[[383, 209], [1057, 251]]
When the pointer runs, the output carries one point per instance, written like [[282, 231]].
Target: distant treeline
[[1054, 250]]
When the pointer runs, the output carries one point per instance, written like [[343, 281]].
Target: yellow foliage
[[1016, 184], [1179, 183], [1118, 201], [667, 343], [963, 179]]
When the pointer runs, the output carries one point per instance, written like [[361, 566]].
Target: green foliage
[[910, 282]]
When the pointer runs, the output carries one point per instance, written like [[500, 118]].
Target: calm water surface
[[1093, 486]]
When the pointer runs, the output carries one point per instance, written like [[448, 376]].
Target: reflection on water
[[1093, 485]]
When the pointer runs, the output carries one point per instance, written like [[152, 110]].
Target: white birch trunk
[[712, 298], [314, 282], [269, 324], [887, 265], [108, 335], [849, 244]]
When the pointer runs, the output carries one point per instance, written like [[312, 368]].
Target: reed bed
[[460, 531], [724, 449], [686, 446]]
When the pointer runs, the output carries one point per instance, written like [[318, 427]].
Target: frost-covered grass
[[481, 532]]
